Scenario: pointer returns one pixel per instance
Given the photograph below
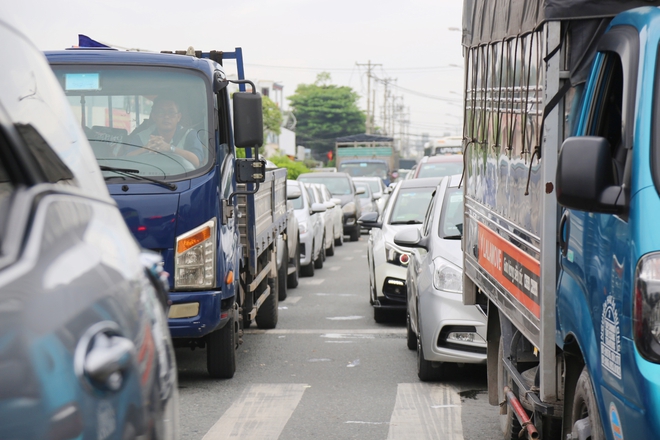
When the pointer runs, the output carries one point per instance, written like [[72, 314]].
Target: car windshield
[[410, 206], [140, 121], [451, 219], [440, 169], [364, 169], [337, 185]]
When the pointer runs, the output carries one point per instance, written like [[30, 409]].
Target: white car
[[388, 262], [440, 327], [337, 215], [333, 218], [380, 192], [310, 228]]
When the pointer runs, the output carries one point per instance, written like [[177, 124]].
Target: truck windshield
[[153, 121], [365, 169]]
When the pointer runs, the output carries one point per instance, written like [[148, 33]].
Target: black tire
[[411, 337], [221, 351], [340, 241], [425, 370], [585, 408], [331, 250], [292, 278], [267, 313], [318, 263], [308, 270], [380, 315], [282, 274], [509, 423], [355, 234]]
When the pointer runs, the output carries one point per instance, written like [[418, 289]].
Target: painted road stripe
[[293, 299], [426, 411], [260, 413], [363, 331], [312, 282]]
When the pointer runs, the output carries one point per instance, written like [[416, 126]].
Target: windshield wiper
[[407, 222], [135, 174]]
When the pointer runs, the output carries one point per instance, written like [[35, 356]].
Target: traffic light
[[329, 154]]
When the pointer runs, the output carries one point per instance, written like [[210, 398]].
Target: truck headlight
[[194, 262], [646, 307], [348, 208], [446, 276], [397, 256]]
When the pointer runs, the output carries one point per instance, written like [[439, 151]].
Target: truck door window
[[152, 121], [607, 110]]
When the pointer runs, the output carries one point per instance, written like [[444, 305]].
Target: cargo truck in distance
[[562, 182], [367, 155], [162, 131]]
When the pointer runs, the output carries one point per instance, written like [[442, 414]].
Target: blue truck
[[165, 131], [562, 186]]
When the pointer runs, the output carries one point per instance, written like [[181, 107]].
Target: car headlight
[[646, 307], [349, 208], [194, 263], [446, 276], [302, 227], [396, 255]]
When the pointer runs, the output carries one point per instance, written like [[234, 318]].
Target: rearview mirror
[[248, 120], [410, 238], [370, 220], [292, 192], [359, 191], [318, 207]]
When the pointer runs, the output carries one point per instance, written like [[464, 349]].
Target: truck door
[[596, 264]]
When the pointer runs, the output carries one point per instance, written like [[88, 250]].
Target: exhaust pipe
[[521, 415]]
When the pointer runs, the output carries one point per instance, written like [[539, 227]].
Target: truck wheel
[[355, 234], [221, 351], [425, 370], [267, 313], [509, 423], [331, 250], [292, 279], [282, 274], [584, 416], [411, 337]]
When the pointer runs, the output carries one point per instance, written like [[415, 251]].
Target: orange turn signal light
[[230, 277], [195, 239]]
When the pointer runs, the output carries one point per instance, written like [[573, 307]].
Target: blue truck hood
[[154, 223]]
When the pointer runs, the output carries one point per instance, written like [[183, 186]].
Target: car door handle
[[103, 355]]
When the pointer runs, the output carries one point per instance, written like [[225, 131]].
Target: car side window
[[428, 219]]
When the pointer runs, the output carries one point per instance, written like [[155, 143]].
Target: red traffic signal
[[329, 154]]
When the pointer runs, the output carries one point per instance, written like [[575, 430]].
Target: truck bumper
[[196, 314]]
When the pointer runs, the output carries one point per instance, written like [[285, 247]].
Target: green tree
[[294, 169], [272, 116], [324, 112]]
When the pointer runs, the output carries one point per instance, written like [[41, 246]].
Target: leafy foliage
[[294, 169], [272, 115], [324, 112]]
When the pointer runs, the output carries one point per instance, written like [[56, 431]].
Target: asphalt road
[[328, 371]]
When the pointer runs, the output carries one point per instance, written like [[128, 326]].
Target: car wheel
[[411, 337], [584, 415], [380, 315], [340, 241], [221, 351], [425, 370], [282, 274], [267, 313], [307, 270], [331, 250], [355, 234], [318, 263], [323, 248], [292, 278]]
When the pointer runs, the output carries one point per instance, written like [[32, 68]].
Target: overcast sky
[[416, 43]]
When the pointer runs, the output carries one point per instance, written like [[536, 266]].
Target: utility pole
[[370, 105]]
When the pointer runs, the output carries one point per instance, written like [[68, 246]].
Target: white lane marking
[[346, 336], [334, 294], [334, 268], [339, 342], [357, 250], [319, 360], [261, 412], [366, 423], [344, 318], [348, 258], [293, 299], [426, 411], [312, 282], [363, 331], [355, 363], [282, 308]]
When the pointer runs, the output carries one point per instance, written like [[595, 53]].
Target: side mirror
[[250, 171], [410, 238], [376, 197], [248, 120], [359, 190], [370, 220], [329, 205], [585, 176], [293, 192], [336, 201], [318, 207]]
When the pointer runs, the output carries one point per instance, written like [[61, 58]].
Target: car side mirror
[[293, 192], [329, 205], [248, 120], [336, 201], [318, 207], [370, 220], [359, 191], [585, 176], [376, 197], [410, 238]]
